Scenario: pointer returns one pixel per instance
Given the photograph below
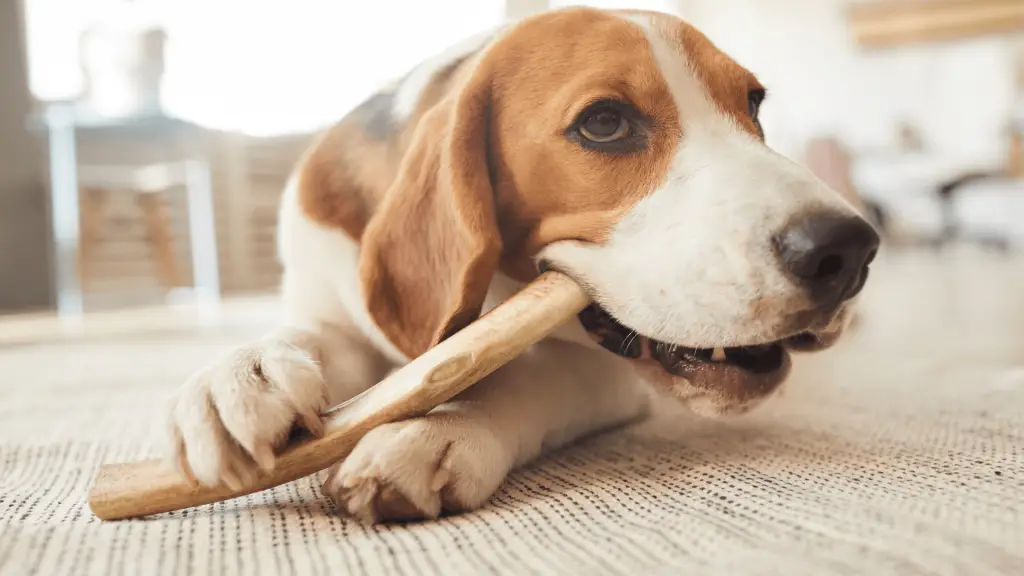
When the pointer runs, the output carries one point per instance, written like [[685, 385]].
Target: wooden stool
[[167, 158], [158, 229], [147, 183]]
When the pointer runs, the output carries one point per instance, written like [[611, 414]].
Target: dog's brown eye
[[610, 127], [604, 126]]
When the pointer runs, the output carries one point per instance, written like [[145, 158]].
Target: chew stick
[[147, 487]]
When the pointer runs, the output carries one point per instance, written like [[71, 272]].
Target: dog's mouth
[[756, 359], [737, 372]]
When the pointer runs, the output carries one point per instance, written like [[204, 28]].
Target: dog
[[619, 147]]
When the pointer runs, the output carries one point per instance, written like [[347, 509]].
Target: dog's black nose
[[828, 254]]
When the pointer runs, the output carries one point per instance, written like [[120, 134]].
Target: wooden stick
[[150, 487]]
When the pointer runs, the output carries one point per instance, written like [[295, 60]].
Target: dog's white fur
[[329, 350]]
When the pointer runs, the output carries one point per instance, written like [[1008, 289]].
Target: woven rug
[[900, 452]]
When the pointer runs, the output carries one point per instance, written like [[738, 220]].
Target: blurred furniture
[[986, 209], [147, 183], [945, 199], [937, 201], [69, 175], [958, 226], [887, 23]]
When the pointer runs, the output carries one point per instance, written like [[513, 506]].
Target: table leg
[[203, 237]]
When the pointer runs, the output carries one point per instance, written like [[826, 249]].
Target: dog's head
[[624, 149]]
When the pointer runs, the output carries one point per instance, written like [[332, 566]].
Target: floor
[[900, 451]]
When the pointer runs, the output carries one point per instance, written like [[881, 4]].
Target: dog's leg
[[454, 458], [230, 418]]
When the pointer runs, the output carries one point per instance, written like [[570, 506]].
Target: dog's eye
[[611, 127], [604, 125], [754, 99]]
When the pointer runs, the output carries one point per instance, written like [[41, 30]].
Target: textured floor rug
[[901, 452]]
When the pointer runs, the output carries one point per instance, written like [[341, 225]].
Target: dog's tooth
[[718, 354]]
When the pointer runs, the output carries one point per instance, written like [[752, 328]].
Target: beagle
[[620, 147]]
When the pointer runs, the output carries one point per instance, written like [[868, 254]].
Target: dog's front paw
[[228, 419], [416, 469]]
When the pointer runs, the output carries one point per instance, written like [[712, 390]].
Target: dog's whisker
[[628, 340], [625, 342]]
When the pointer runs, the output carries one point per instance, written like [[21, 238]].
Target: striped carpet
[[901, 452]]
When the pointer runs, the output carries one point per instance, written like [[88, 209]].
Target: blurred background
[[143, 144]]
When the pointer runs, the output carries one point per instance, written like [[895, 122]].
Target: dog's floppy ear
[[430, 251]]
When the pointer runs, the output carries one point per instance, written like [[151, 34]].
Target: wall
[[24, 253]]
